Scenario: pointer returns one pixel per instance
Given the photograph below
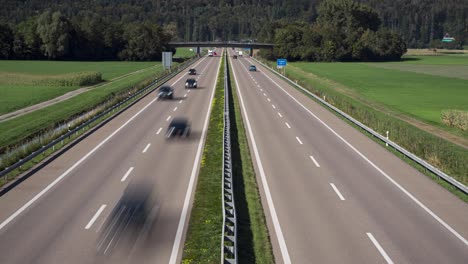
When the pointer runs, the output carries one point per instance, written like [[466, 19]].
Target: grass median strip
[[254, 244], [203, 241]]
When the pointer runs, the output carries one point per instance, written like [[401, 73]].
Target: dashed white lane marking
[[146, 148], [261, 90], [316, 163], [280, 115], [159, 131], [286, 123], [337, 192], [299, 140], [274, 107], [126, 174], [96, 215], [169, 117], [258, 85], [185, 95], [175, 109], [264, 94], [380, 249], [188, 91], [181, 101], [268, 99]]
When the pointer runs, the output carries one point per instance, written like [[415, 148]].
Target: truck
[[210, 53], [240, 53]]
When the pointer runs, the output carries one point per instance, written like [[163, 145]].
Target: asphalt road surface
[[332, 195], [122, 195]]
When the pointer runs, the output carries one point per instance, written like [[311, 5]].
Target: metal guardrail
[[229, 235], [397, 147], [143, 92]]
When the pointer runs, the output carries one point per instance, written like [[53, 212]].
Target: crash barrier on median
[[229, 235], [390, 143], [134, 98]]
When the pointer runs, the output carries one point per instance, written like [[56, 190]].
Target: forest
[[109, 29]]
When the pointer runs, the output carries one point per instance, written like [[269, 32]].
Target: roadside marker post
[[386, 143]]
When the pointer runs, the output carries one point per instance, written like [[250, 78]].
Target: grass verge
[[203, 241], [253, 243]]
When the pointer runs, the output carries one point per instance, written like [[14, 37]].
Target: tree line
[[344, 31], [89, 36]]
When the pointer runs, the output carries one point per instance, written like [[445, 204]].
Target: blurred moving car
[[252, 68], [165, 92], [234, 56], [192, 72], [178, 127], [190, 83]]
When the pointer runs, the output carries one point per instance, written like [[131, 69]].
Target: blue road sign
[[281, 62]]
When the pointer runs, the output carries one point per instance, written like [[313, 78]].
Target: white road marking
[[271, 206], [146, 148], [183, 216], [185, 95], [188, 91], [299, 140], [261, 90], [126, 174], [407, 193], [175, 109], [280, 115], [169, 117], [379, 248], [268, 99], [316, 163], [264, 94], [258, 85], [286, 123], [96, 215], [159, 131], [337, 192], [76, 164], [181, 101], [274, 107]]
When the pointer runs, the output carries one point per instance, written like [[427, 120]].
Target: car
[[178, 127], [190, 83], [234, 56], [192, 72], [252, 68], [165, 92]]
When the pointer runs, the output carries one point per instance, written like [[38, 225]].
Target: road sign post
[[167, 60], [281, 63]]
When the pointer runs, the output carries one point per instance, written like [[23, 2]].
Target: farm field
[[420, 87], [184, 53], [25, 83]]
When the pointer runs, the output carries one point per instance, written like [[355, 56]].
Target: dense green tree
[[144, 41], [55, 31], [6, 41]]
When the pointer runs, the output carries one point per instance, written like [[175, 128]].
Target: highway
[[86, 206], [331, 194]]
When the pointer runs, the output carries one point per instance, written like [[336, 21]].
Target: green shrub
[[71, 79]]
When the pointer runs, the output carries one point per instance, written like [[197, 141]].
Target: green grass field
[[398, 86], [25, 83], [185, 53]]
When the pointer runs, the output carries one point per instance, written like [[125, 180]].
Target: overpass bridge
[[223, 44]]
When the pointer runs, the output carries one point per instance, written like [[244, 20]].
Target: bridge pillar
[[198, 51], [251, 52]]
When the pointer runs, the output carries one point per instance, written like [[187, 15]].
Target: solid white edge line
[[316, 163], [159, 131], [146, 148], [379, 248], [287, 124], [271, 206], [337, 192], [169, 117], [183, 217], [96, 215], [64, 174], [299, 140], [407, 193], [126, 174]]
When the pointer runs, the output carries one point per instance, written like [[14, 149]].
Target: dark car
[[166, 92], [234, 56], [190, 83], [192, 72], [252, 68], [179, 127]]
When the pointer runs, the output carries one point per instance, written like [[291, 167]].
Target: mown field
[[25, 83], [421, 87], [185, 53]]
